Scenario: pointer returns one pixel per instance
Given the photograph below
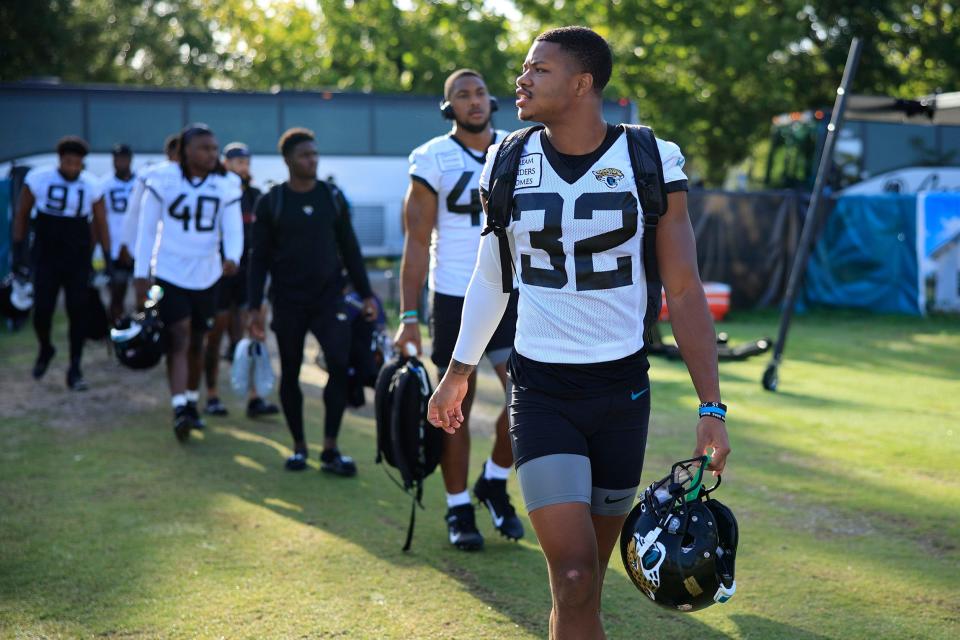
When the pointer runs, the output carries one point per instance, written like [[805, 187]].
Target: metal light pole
[[811, 223]]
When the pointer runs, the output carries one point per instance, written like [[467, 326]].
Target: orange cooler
[[718, 298]]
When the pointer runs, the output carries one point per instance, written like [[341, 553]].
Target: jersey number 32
[[549, 240]]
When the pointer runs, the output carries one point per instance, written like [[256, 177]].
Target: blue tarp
[[941, 217], [868, 256]]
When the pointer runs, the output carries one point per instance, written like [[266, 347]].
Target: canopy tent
[[943, 108]]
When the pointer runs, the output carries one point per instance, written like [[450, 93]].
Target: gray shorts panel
[[499, 356], [555, 479], [612, 502]]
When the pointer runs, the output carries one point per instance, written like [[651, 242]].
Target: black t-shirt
[[305, 249]]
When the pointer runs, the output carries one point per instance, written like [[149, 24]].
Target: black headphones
[[446, 109]]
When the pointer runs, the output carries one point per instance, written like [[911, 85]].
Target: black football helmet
[[16, 297], [138, 339], [678, 544]]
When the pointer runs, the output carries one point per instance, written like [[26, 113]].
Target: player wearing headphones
[[443, 219]]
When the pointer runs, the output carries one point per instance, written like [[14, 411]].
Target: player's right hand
[[408, 333], [444, 410], [256, 328]]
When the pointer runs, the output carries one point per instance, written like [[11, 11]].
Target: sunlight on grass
[[843, 483]]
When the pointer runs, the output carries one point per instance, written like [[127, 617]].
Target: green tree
[[369, 45], [711, 75], [163, 42]]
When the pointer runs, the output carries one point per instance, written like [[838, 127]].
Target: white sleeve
[[130, 220], [151, 210], [231, 228], [488, 167], [424, 169], [483, 305], [32, 180], [95, 186], [673, 161]]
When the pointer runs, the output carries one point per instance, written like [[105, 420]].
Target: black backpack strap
[[503, 180], [652, 192], [276, 203], [340, 205]]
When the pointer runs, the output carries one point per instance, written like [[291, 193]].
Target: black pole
[[811, 223]]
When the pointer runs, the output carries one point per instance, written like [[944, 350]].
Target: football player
[[443, 219], [131, 220], [196, 205], [116, 190], [303, 238], [66, 198], [581, 395], [232, 294]]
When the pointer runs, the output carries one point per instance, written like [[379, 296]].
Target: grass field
[[844, 483]]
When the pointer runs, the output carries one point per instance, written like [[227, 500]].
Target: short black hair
[[172, 143], [73, 145], [588, 48], [456, 75], [292, 137]]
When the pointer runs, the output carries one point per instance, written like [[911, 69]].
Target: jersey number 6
[[549, 240]]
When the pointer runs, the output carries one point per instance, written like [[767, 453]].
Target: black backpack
[[651, 189], [405, 439]]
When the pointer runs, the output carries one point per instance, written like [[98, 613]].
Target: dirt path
[[117, 394]]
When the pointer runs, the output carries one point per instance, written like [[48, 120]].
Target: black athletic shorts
[[177, 303], [233, 291], [570, 446], [445, 313]]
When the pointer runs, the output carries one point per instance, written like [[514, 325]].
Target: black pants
[[331, 327], [72, 274]]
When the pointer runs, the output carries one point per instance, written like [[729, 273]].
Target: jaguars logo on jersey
[[609, 176]]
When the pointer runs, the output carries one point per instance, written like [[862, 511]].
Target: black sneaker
[[259, 407], [43, 361], [195, 419], [215, 408], [296, 462], [493, 494], [182, 423], [75, 381], [462, 528], [332, 461]]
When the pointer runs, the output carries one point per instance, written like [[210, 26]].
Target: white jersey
[[57, 196], [130, 223], [193, 216], [116, 200], [452, 171], [577, 242]]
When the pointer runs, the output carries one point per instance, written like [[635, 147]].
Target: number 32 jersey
[[194, 216], [452, 172], [576, 235]]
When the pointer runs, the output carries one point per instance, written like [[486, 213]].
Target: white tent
[[946, 258]]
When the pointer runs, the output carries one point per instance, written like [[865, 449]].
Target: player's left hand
[[444, 409], [229, 268], [712, 434], [370, 309]]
